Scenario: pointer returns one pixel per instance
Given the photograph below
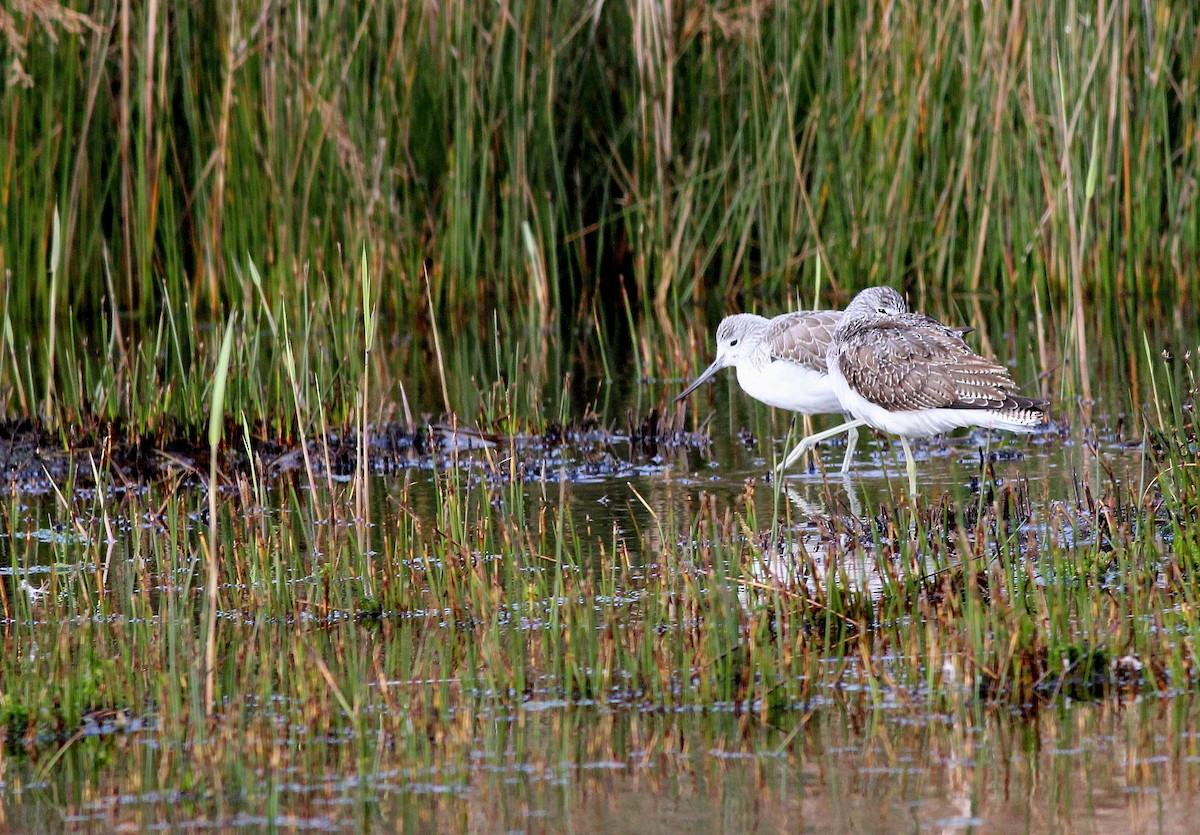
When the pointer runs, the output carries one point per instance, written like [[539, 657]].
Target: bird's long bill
[[708, 372]]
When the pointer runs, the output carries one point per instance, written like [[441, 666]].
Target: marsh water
[[551, 767], [852, 758]]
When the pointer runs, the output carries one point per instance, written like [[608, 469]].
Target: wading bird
[[908, 375], [781, 361]]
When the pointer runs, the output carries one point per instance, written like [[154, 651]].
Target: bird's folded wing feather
[[802, 337], [904, 367]]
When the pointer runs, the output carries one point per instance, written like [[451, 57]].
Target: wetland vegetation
[[344, 484]]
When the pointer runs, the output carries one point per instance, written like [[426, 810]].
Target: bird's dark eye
[[881, 310], [732, 342]]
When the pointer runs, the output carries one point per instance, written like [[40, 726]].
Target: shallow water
[[547, 767], [901, 758]]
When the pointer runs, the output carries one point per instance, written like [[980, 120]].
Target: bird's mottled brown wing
[[909, 365], [802, 337]]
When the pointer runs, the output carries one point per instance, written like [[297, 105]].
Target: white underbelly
[[789, 386]]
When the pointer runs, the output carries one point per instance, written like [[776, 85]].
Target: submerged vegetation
[[337, 350], [369, 626]]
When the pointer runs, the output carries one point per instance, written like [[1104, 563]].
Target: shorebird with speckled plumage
[[908, 375], [781, 362]]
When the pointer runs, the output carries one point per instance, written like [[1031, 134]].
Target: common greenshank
[[909, 375], [782, 362]]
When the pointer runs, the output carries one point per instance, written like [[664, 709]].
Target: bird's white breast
[[787, 385]]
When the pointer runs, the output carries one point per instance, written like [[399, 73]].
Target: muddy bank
[[34, 460]]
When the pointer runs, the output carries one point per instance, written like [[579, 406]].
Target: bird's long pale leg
[[851, 443], [808, 443], [912, 466]]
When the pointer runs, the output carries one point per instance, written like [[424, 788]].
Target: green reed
[[410, 210], [507, 167], [382, 619]]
